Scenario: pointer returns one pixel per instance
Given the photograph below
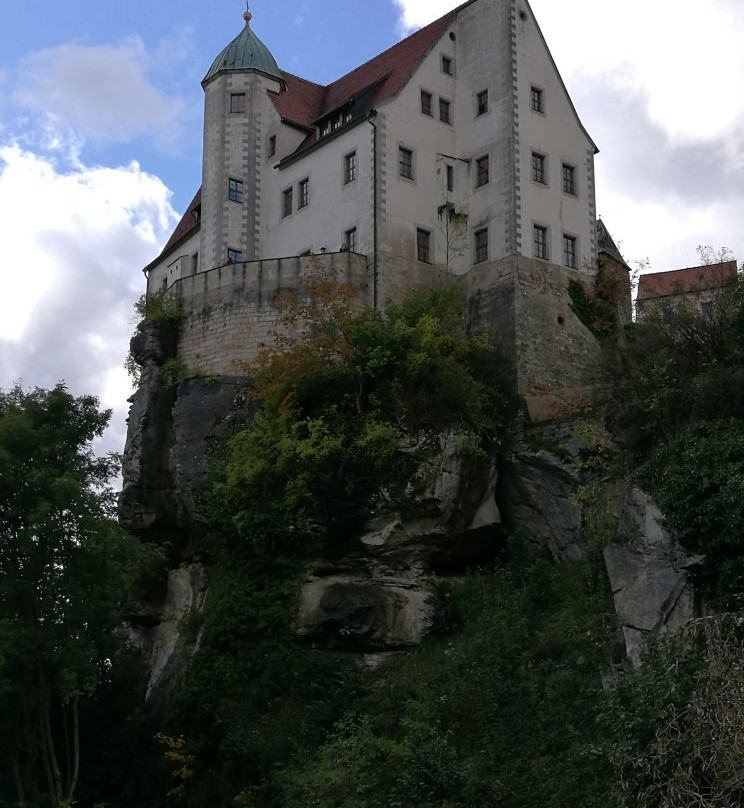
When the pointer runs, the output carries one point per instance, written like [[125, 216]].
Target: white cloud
[[415, 13], [101, 92], [74, 243]]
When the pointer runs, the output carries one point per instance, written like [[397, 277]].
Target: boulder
[[649, 572], [538, 496]]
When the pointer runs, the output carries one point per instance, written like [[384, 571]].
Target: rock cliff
[[374, 598]]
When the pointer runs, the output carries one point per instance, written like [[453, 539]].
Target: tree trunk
[[50, 754], [17, 779], [75, 749]]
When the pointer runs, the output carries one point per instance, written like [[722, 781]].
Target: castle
[[455, 155]]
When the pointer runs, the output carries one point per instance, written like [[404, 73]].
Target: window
[[445, 110], [481, 171], [540, 241], [405, 162], [537, 100], [287, 202], [272, 145], [447, 65], [450, 178], [569, 251], [481, 245], [426, 103], [237, 102], [349, 167], [303, 193], [569, 179], [482, 102], [194, 263], [235, 190], [350, 242], [423, 245], [706, 308], [538, 168], [234, 255]]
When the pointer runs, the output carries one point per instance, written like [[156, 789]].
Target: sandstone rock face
[[174, 635], [538, 493], [362, 610], [375, 598], [648, 572]]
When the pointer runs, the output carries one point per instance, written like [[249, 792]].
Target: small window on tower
[[350, 240], [272, 145], [450, 178], [234, 255], [235, 190], [237, 102]]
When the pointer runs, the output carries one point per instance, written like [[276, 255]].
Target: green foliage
[[350, 407], [676, 725], [498, 714], [174, 372], [253, 698], [680, 405], [594, 309], [682, 366], [161, 308], [698, 479], [63, 567]]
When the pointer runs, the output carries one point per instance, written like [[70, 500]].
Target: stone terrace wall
[[229, 313]]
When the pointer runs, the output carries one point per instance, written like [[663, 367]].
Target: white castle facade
[[457, 154]]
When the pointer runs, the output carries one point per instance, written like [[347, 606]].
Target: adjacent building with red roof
[[692, 286]]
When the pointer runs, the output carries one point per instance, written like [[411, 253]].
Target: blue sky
[[100, 142]]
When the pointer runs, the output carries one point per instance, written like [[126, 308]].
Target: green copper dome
[[245, 52]]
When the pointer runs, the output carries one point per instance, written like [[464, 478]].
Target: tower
[[236, 89]]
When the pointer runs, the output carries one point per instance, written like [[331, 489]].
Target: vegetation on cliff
[[515, 697]]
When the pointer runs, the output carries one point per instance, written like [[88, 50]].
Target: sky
[[101, 125]]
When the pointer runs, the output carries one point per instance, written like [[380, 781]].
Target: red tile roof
[[186, 225], [681, 281], [303, 102]]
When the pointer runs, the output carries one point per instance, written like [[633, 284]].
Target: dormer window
[[335, 121]]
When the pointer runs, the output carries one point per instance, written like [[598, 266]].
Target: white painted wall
[[558, 135], [334, 206]]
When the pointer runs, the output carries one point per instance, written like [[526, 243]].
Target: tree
[[348, 406], [63, 568]]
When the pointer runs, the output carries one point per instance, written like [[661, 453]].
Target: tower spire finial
[[247, 15]]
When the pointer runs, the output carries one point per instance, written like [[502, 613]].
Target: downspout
[[371, 115]]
